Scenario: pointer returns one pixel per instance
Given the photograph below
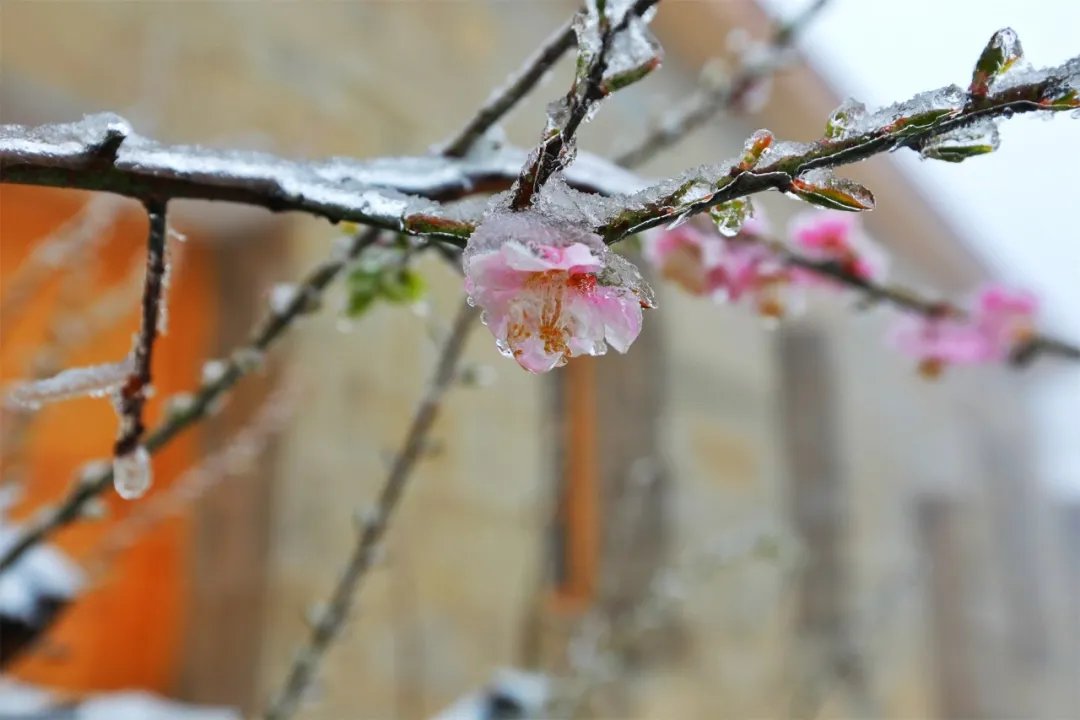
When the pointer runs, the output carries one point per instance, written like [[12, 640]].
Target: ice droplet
[[132, 474], [730, 216], [844, 120]]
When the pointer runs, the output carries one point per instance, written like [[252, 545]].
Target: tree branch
[[911, 301], [506, 97], [133, 394], [555, 151], [70, 156], [241, 362], [326, 627], [905, 125], [707, 102], [399, 194]]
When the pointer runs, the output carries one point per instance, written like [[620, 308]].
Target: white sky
[[1017, 207]]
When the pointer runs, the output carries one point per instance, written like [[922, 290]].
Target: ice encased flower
[[550, 291]]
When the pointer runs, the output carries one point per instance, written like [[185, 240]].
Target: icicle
[[132, 474], [93, 380]]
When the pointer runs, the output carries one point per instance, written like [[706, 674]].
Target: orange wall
[[126, 630]]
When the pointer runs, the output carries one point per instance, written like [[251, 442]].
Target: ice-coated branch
[[916, 124], [102, 152], [597, 39], [132, 395], [913, 302], [506, 97], [728, 94], [72, 156], [213, 388], [327, 625]]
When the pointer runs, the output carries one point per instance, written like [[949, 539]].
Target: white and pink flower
[[550, 291], [1000, 320]]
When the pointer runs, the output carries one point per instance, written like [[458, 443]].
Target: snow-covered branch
[[402, 193], [328, 623], [102, 152], [615, 49]]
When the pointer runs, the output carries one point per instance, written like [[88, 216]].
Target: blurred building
[[820, 532]]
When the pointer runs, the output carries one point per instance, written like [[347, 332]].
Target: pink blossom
[[831, 235], [550, 292], [704, 262], [999, 320]]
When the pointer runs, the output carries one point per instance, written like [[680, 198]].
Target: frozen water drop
[[132, 473], [730, 216]]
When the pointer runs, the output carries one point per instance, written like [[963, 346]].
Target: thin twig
[[554, 151], [913, 302], [234, 458], [509, 95], [202, 401], [326, 627], [728, 96], [133, 394]]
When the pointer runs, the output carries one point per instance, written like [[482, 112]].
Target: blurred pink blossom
[[831, 235], [1000, 319], [706, 263]]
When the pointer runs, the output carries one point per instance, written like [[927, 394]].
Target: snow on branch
[[102, 152], [88, 155]]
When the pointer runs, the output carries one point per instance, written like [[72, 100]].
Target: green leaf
[[363, 288], [403, 286]]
